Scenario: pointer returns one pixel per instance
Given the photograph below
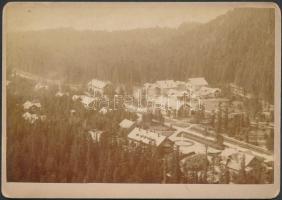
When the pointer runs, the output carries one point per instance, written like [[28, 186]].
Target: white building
[[150, 90], [195, 84], [95, 135], [40, 86], [61, 94], [105, 110], [75, 97], [31, 118], [98, 87], [31, 105], [167, 103], [163, 87], [207, 92], [126, 124], [138, 135], [166, 85], [177, 93], [88, 102], [235, 160]]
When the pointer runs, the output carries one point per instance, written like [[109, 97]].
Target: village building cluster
[[32, 112], [168, 98]]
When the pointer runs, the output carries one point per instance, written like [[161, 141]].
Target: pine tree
[[226, 119], [175, 171], [270, 141], [219, 121], [212, 120]]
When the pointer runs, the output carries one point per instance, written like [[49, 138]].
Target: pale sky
[[107, 16]]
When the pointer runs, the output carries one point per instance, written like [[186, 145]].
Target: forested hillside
[[235, 47]]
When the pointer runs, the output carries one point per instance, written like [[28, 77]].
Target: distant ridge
[[235, 47]]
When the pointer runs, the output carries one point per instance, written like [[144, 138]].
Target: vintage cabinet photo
[[141, 95]]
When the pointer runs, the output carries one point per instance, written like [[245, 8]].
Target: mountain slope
[[235, 47]]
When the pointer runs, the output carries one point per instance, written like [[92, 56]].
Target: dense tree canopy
[[235, 47]]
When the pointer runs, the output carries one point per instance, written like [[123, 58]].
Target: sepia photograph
[[141, 95]]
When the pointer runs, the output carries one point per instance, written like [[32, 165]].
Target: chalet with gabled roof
[[146, 137], [195, 84], [98, 88]]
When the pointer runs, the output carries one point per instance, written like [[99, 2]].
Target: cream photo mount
[[133, 190]]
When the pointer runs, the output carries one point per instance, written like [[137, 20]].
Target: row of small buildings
[[168, 93], [194, 87], [171, 96], [198, 87]]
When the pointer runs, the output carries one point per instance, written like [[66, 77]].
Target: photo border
[[130, 190]]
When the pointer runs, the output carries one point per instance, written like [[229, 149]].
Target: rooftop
[[173, 92], [170, 101], [207, 91], [198, 81], [95, 134], [126, 123], [28, 104], [33, 117], [146, 136], [86, 100], [98, 83], [104, 110], [60, 94], [41, 85], [165, 84], [236, 157]]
